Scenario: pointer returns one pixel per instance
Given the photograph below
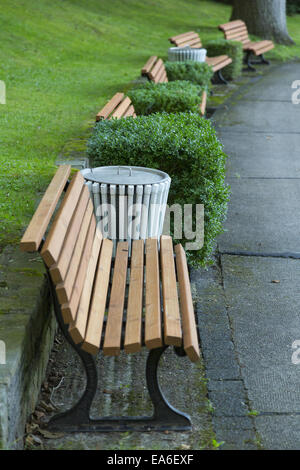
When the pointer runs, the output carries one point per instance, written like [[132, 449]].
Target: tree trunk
[[264, 18]]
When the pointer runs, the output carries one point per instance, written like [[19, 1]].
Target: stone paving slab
[[265, 322], [238, 433], [265, 116], [226, 388], [277, 85], [280, 432], [262, 216], [275, 155]]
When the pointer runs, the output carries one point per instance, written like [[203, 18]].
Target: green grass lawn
[[61, 60]]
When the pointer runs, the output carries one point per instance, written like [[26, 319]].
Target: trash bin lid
[[125, 175]]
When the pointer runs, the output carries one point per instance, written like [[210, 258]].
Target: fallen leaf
[[50, 435], [47, 406], [185, 447]]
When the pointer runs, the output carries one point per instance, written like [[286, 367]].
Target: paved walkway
[[249, 306]]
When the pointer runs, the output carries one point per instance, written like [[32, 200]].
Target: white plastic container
[[182, 54], [129, 202]]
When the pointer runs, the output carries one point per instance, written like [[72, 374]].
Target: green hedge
[[199, 73], [170, 97], [185, 146], [292, 7], [233, 49]]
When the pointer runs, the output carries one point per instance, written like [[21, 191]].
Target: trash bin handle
[[125, 168]]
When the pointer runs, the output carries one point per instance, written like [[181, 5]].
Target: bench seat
[[154, 70], [112, 304], [259, 47]]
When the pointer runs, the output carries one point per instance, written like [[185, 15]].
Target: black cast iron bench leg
[[77, 419], [249, 62], [218, 78]]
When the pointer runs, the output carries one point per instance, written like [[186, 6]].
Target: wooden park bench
[[237, 31], [192, 39], [89, 290], [119, 106], [155, 71]]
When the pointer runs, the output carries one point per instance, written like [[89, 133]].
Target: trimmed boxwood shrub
[[170, 97], [233, 49], [185, 146], [199, 73]]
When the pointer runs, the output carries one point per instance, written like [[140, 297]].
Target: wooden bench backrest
[[119, 106], [235, 31], [154, 69], [190, 38], [72, 242]]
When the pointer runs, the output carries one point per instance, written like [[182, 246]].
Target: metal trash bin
[[182, 54], [129, 202]]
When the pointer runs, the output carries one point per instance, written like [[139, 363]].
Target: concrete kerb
[[27, 329]]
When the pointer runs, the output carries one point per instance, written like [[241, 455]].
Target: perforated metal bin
[[129, 202]]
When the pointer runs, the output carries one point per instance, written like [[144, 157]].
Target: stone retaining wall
[[27, 328]]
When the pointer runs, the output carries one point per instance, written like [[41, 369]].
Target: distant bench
[[155, 71], [97, 308], [237, 31], [192, 39], [118, 106]]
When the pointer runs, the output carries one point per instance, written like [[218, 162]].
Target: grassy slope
[[61, 61]]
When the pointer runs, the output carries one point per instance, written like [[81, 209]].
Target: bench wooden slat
[[160, 74], [179, 36], [93, 334], [54, 242], [156, 71], [133, 334], [37, 227], [112, 340], [237, 33], [231, 25], [164, 78], [264, 49], [203, 102], [110, 106], [64, 289], [59, 270], [69, 309], [187, 37], [153, 332], [244, 39], [77, 329], [129, 112], [257, 47], [219, 62], [196, 43], [190, 337], [172, 326], [121, 109], [149, 64], [153, 72]]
